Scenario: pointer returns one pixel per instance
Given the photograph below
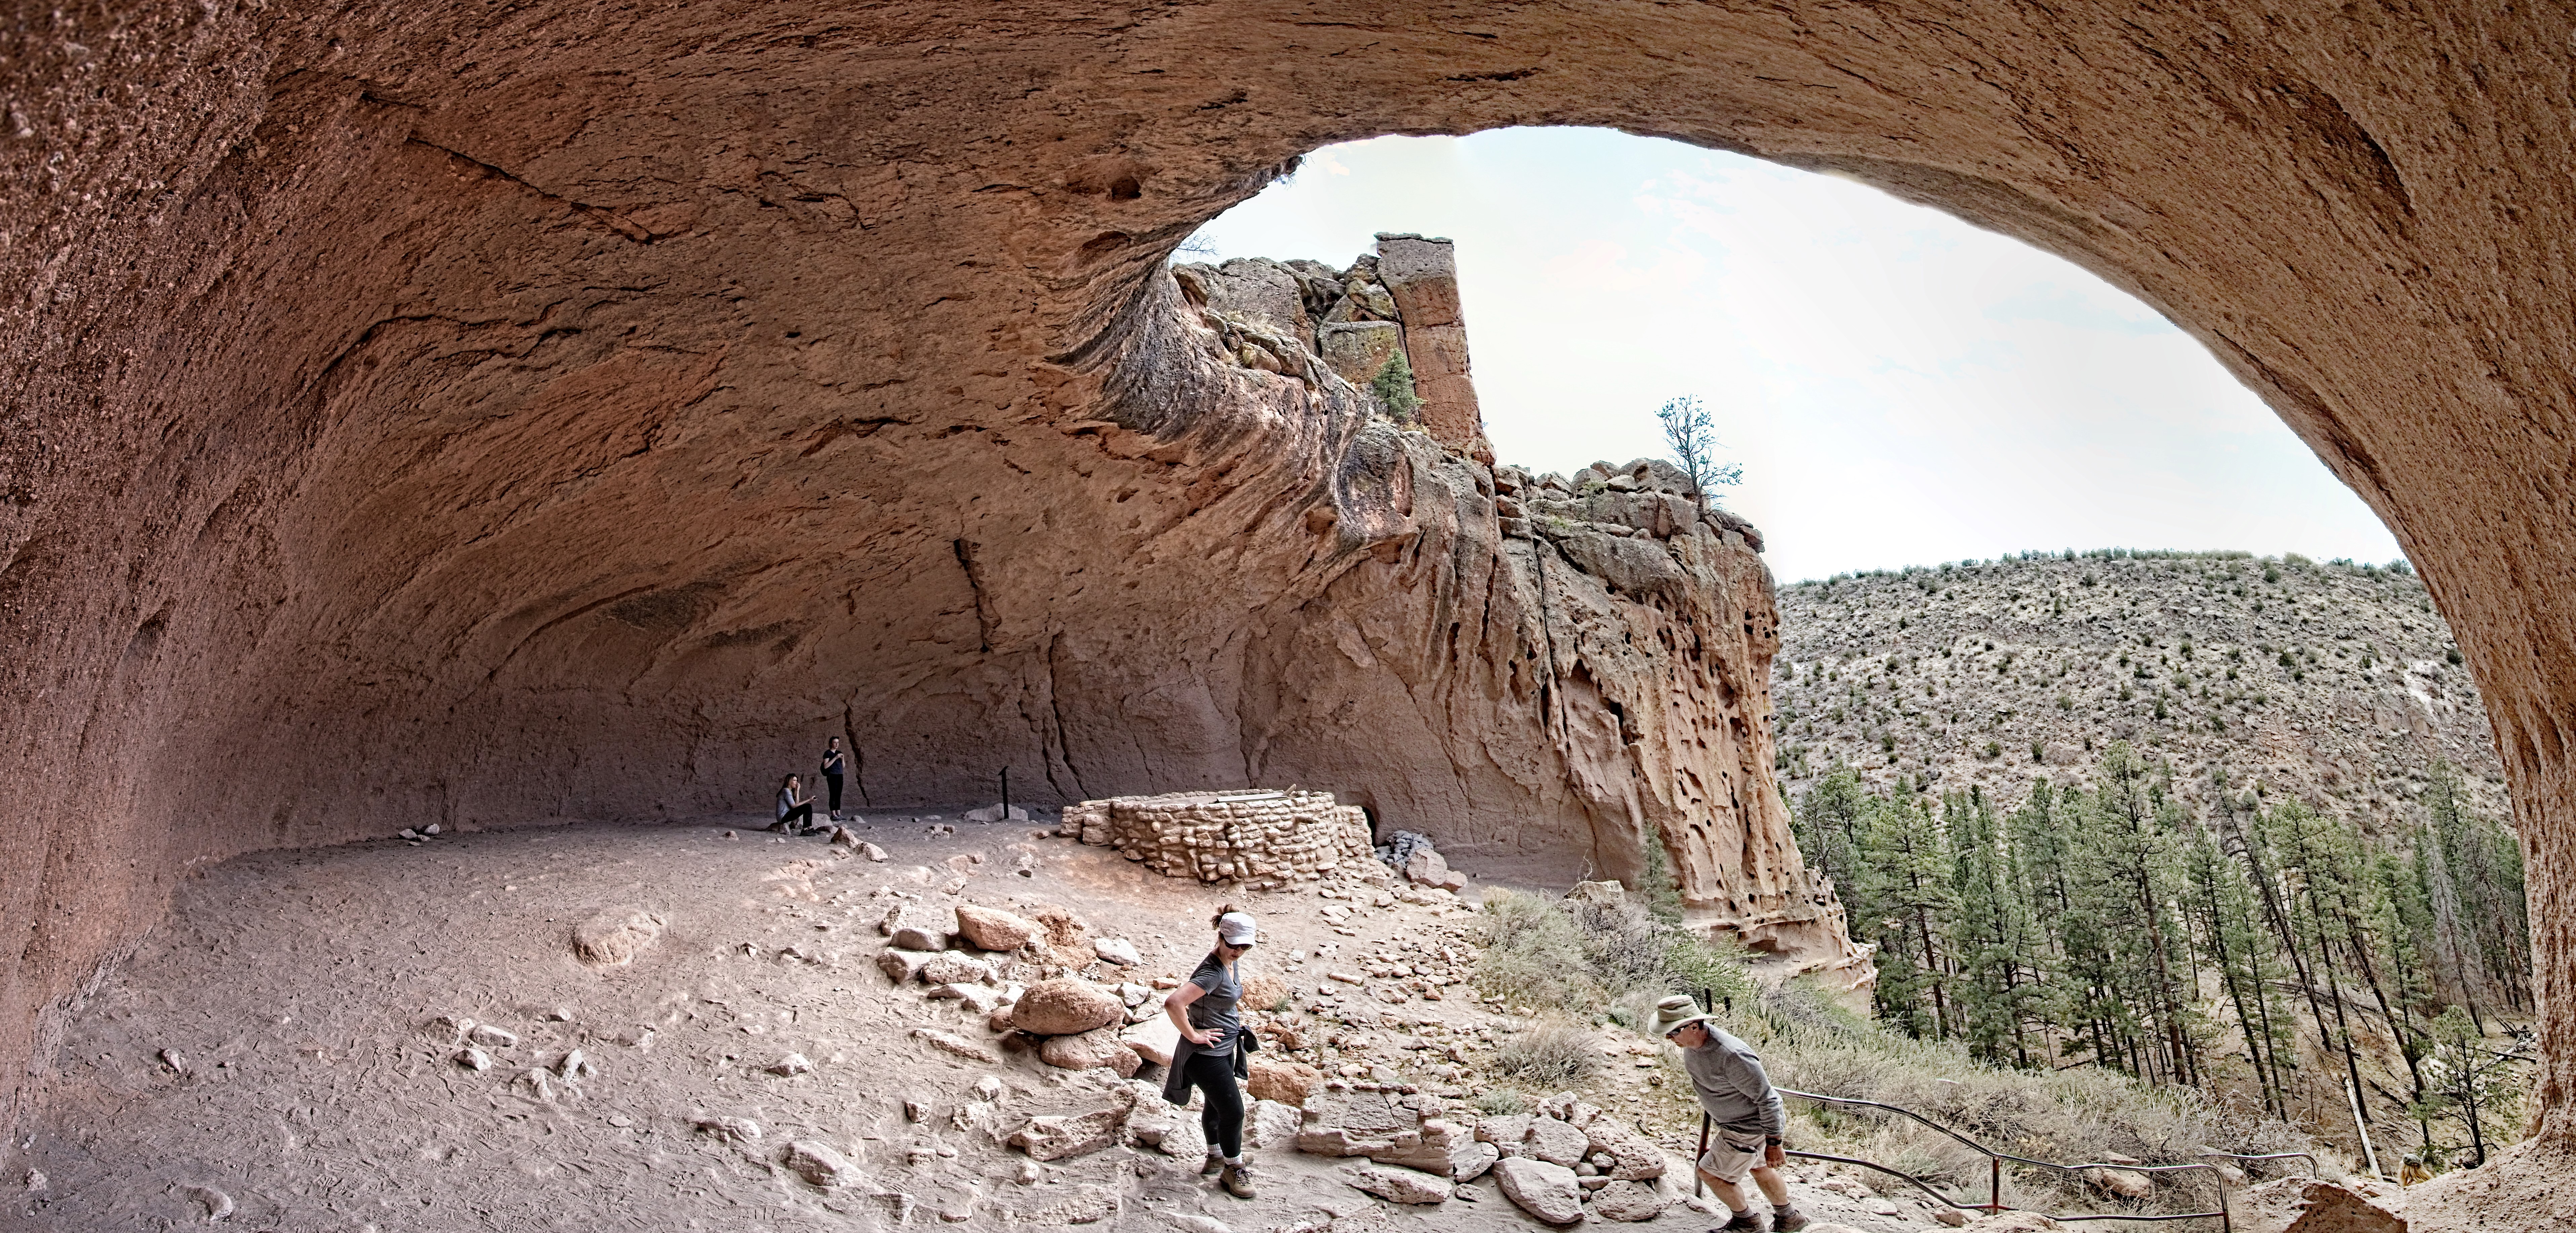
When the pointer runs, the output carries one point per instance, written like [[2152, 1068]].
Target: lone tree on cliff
[[1693, 440]]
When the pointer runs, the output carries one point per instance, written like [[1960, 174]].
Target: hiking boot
[[1238, 1181], [1788, 1220], [1744, 1222], [1214, 1165]]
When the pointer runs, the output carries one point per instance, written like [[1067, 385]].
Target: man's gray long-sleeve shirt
[[1727, 1075]]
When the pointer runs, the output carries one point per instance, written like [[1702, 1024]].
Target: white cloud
[[1900, 387]]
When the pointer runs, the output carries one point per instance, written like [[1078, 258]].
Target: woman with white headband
[[1210, 1055]]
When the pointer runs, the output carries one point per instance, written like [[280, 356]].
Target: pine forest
[[2178, 906]]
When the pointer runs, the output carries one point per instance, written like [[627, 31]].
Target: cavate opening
[[536, 426]]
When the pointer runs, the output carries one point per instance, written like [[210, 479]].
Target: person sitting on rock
[[1738, 1097], [794, 807], [1211, 1052]]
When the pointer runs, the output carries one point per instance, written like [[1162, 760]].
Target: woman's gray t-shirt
[[1220, 989]]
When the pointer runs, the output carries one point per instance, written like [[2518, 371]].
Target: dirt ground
[[272, 1055]]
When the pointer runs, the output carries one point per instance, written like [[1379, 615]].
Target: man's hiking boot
[[1238, 1181], [1744, 1222], [1215, 1164], [1788, 1220]]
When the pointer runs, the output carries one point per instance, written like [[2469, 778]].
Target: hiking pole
[[1699, 1181]]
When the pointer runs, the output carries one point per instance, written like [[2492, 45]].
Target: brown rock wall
[[484, 413]]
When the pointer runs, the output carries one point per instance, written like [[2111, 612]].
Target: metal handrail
[[2312, 1161], [1995, 1168]]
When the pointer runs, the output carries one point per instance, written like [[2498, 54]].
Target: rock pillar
[[1422, 275]]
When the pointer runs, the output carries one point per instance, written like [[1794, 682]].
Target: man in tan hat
[[1727, 1077]]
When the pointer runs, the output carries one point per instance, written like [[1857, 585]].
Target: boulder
[[1426, 867], [1507, 1132], [1439, 1147], [1064, 1007], [904, 966], [1055, 1137], [982, 999], [1172, 1131], [613, 938], [819, 1164], [1633, 1156], [2310, 1205], [1271, 1124], [1353, 1123], [1263, 990], [1469, 1161], [1065, 932], [950, 968], [1155, 1038], [994, 929], [1289, 1083], [1119, 951], [1556, 1142], [1399, 1185], [997, 813], [2126, 1183], [1546, 1191], [1089, 1050], [920, 926], [1630, 1201]]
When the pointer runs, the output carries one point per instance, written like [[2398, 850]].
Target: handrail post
[[1994, 1185]]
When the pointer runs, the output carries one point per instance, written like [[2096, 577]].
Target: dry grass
[[2070, 1117], [1550, 1055], [1589, 958]]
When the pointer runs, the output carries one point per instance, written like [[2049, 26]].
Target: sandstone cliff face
[[1539, 673], [533, 410]]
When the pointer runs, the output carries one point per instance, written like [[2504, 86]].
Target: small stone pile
[[1562, 1163], [1281, 836], [1567, 1155], [1411, 854]]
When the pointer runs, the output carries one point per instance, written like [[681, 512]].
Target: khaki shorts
[[1731, 1155]]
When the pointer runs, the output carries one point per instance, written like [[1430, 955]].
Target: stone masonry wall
[[1230, 836]]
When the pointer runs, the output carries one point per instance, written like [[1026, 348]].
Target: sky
[[1901, 388]]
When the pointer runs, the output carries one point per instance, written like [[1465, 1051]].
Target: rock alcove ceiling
[[499, 412]]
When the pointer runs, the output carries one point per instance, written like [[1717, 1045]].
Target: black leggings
[[1222, 1117], [834, 783], [802, 813]]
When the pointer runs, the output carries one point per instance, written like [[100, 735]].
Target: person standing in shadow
[[794, 807], [834, 766]]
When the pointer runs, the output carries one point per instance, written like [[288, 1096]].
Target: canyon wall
[[1539, 672], [456, 410]]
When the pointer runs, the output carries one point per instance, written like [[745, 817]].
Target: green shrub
[[1502, 1101], [1393, 386]]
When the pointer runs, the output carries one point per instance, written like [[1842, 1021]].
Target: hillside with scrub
[[2225, 825], [2334, 683]]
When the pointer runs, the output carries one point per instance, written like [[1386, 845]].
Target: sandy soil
[[271, 1053]]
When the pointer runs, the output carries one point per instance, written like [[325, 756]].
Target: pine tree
[[1826, 825], [1905, 890], [1393, 386]]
